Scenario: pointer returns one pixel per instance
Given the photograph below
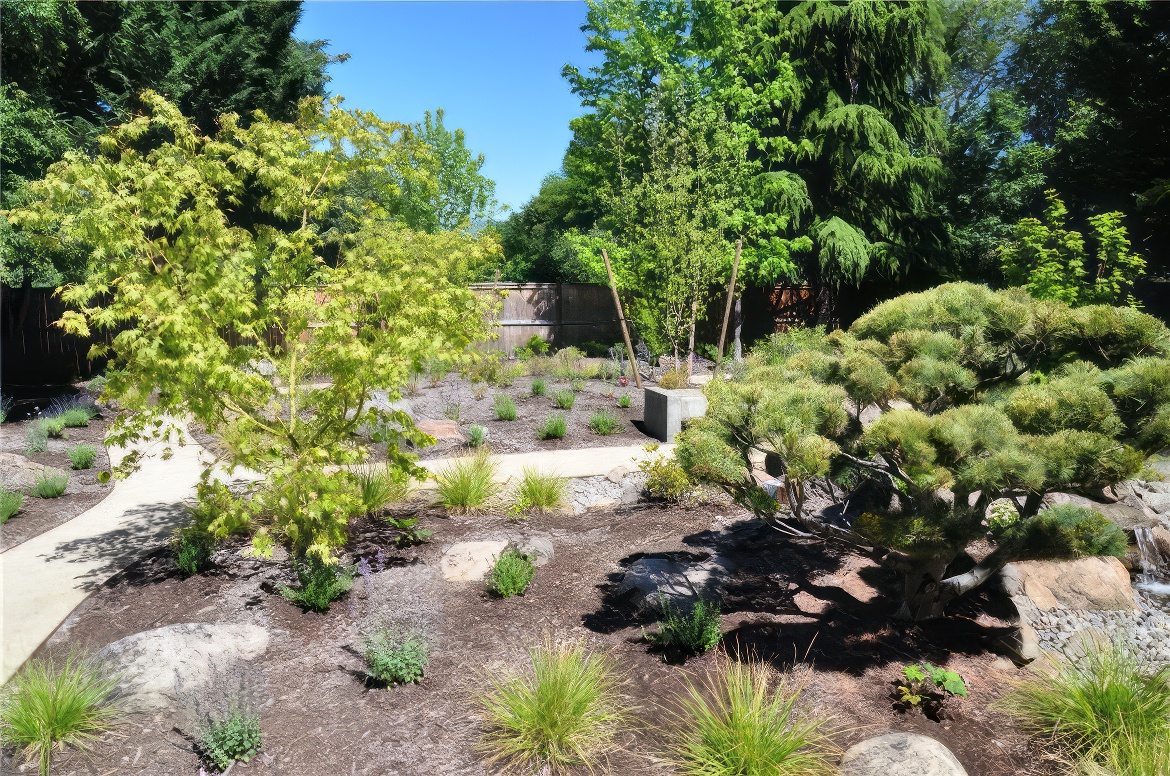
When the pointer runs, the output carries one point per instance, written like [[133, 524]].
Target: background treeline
[[880, 146]]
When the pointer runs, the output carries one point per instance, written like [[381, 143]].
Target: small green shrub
[[395, 658], [539, 387], [468, 483], [409, 533], [567, 712], [604, 423], [83, 456], [54, 427], [511, 573], [537, 345], [379, 486], [193, 551], [47, 707], [97, 385], [1073, 530], [624, 401], [1109, 708], [50, 485], [476, 435], [929, 687], [540, 492], [553, 427], [740, 724], [235, 738], [36, 438], [452, 411], [10, 503], [78, 417], [692, 631], [666, 480], [577, 384], [674, 378], [504, 407], [321, 584], [565, 399]]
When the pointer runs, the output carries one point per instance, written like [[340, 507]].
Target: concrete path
[[43, 579], [585, 462]]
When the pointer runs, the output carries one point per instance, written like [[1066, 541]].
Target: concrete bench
[[665, 410]]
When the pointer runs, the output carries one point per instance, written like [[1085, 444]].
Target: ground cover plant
[[624, 401], [320, 583], [10, 503], [236, 737], [604, 423], [1010, 397], [511, 573], [539, 386], [46, 706], [565, 399], [690, 629], [740, 722], [504, 407], [82, 456], [468, 483], [553, 427], [565, 713], [50, 485], [928, 687], [396, 658], [540, 491], [410, 531], [193, 551]]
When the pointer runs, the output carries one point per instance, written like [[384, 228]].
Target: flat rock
[[470, 561], [441, 430], [19, 473], [617, 473], [674, 576], [174, 667], [900, 754], [1085, 583]]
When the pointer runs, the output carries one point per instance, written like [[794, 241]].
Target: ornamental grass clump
[[396, 658], [46, 706], [83, 456], [321, 583], [565, 713], [540, 492], [50, 485], [1106, 708], [236, 737], [739, 722], [604, 423], [553, 427], [565, 399], [10, 503], [468, 483], [539, 387], [54, 427], [504, 407], [379, 486]]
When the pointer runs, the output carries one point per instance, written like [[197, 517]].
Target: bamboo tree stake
[[730, 297], [622, 317]]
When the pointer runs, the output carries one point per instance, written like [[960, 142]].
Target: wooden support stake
[[622, 317], [730, 297]]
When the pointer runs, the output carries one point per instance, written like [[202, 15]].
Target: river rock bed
[[1069, 631]]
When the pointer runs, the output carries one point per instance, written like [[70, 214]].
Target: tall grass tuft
[[36, 438], [10, 503], [82, 456], [46, 706], [541, 491], [553, 427], [467, 483], [1107, 708], [565, 399], [504, 406], [604, 423], [564, 714], [738, 723], [379, 486], [50, 485]]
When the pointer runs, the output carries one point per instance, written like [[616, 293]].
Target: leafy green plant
[[193, 551], [395, 658], [409, 532], [78, 417], [540, 492], [46, 706], [511, 573], [5, 408], [604, 423], [504, 407], [577, 385], [565, 399], [468, 483], [54, 427], [553, 427], [476, 435], [50, 485], [10, 503], [537, 345], [689, 631], [539, 387], [740, 723], [929, 687], [83, 456], [1108, 707], [321, 583], [566, 713], [236, 737], [665, 479], [36, 438], [624, 401]]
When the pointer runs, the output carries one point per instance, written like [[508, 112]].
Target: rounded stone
[[900, 754]]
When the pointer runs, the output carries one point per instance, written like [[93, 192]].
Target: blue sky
[[494, 67]]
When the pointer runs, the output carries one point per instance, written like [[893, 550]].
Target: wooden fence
[[32, 349], [562, 314]]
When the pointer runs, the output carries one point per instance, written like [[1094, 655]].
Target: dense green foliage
[[320, 583], [50, 485], [396, 658], [692, 629], [511, 573], [1005, 397], [10, 503], [82, 456], [236, 737], [468, 483], [553, 427]]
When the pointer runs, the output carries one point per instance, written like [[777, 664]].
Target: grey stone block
[[665, 410]]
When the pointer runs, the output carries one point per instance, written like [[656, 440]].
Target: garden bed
[[787, 603]]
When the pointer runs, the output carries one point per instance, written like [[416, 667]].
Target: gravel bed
[[1067, 630]]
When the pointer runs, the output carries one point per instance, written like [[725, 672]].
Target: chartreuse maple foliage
[[247, 330]]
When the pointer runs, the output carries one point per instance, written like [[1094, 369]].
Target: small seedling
[[511, 573], [624, 401], [604, 423], [928, 687], [565, 399], [504, 407], [539, 387], [479, 391], [396, 659], [451, 411], [50, 485], [553, 427], [83, 456], [476, 435], [235, 738], [409, 534]]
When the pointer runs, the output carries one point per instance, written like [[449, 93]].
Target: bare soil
[[805, 608], [38, 515]]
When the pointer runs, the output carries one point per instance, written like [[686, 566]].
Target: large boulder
[[678, 577], [472, 561], [441, 430], [177, 666], [900, 754], [1130, 512], [19, 473], [1084, 584]]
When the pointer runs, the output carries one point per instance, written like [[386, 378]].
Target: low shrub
[[321, 584], [395, 658], [565, 399], [83, 456], [673, 378], [566, 713], [624, 401], [50, 485], [665, 479], [47, 707], [504, 407], [379, 486], [476, 435], [467, 483], [193, 549], [540, 492], [1108, 708], [577, 384], [690, 631], [604, 423], [10, 503], [539, 387], [78, 417], [553, 427], [537, 345], [36, 438], [97, 385], [738, 723], [928, 687], [452, 411], [409, 532], [54, 427], [512, 572], [236, 737]]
